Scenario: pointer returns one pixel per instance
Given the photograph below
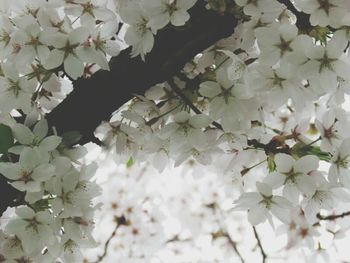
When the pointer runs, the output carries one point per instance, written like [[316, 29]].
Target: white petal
[[10, 170], [264, 189], [275, 179], [90, 55], [29, 158], [22, 134], [306, 164], [305, 184], [43, 172], [179, 18], [50, 143], [257, 214], [247, 200], [284, 162], [281, 214], [73, 67], [200, 121], [209, 89], [291, 193], [25, 212], [40, 129], [54, 59], [78, 35], [311, 210]]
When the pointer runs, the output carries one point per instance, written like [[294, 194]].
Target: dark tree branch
[[333, 217], [95, 99]]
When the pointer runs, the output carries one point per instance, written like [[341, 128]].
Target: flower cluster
[[270, 96], [143, 18], [56, 215], [265, 106]]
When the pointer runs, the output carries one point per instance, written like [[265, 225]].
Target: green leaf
[[271, 162], [6, 138], [41, 205], [130, 162]]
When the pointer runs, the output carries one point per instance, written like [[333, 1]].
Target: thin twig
[[333, 217], [263, 253], [186, 100], [119, 221], [234, 246]]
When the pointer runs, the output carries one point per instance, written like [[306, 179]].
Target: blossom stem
[[247, 169], [263, 253], [311, 143], [234, 246], [154, 120], [186, 100], [333, 217], [119, 221]]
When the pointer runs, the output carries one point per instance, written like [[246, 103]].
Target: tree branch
[[119, 221], [333, 217], [263, 253], [94, 99], [188, 102], [234, 246]]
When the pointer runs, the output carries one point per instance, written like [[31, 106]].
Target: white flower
[[89, 11], [15, 91], [73, 191], [201, 152], [32, 41], [328, 131], [255, 8], [261, 203], [187, 126], [35, 138], [340, 163], [227, 100], [69, 50], [275, 42], [138, 34], [293, 175], [12, 247], [33, 229], [325, 64], [31, 170], [325, 196], [101, 39], [323, 12], [164, 11], [6, 33], [277, 85]]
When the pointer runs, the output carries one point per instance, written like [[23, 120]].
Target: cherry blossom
[[259, 114], [261, 203], [293, 175]]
